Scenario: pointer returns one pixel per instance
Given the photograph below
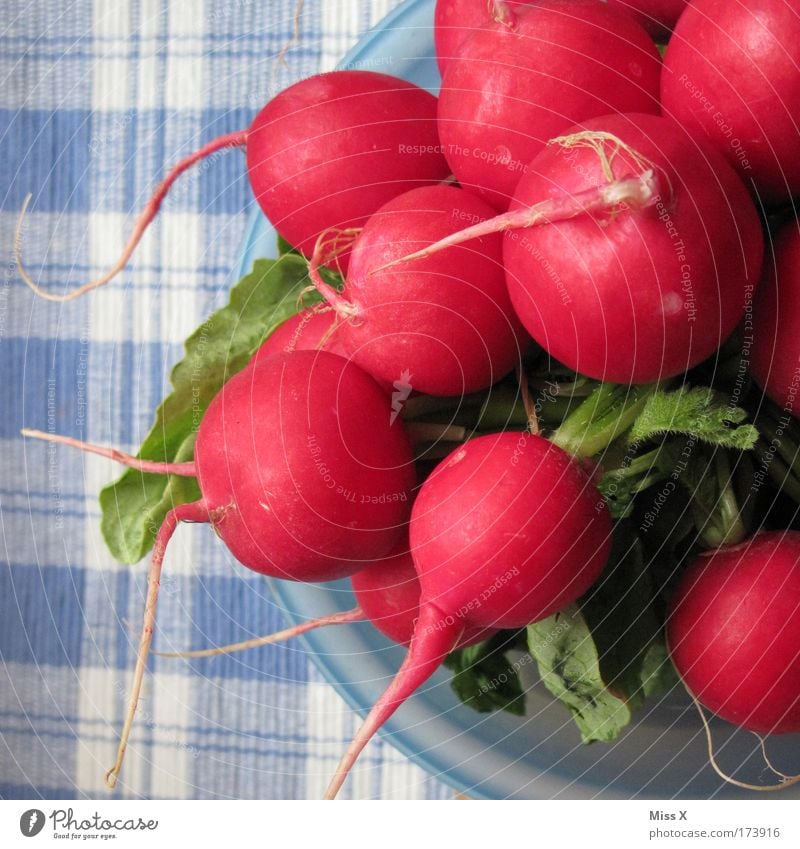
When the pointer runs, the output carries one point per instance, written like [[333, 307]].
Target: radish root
[[633, 192], [354, 615], [500, 12], [434, 638], [329, 245], [295, 39], [194, 512], [786, 780], [236, 139], [600, 143], [155, 467]]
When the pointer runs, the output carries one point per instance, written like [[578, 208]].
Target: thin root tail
[[435, 636], [236, 139], [354, 615], [186, 470], [194, 512]]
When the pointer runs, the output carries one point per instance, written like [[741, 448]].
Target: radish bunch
[[596, 206]]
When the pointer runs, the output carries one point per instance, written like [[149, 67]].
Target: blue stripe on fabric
[[41, 622], [162, 39], [43, 385], [43, 511], [46, 153], [225, 611], [54, 154], [224, 187], [282, 736], [83, 53], [28, 791], [73, 19]]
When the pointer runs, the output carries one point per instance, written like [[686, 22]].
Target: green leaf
[[285, 248], [620, 486], [620, 615], [569, 666], [134, 507], [485, 679], [704, 473], [592, 657], [699, 411], [606, 414], [658, 674]]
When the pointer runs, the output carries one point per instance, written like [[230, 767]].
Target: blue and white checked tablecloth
[[97, 99]]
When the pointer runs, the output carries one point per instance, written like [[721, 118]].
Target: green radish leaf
[[620, 489], [285, 248], [620, 614], [485, 679], [569, 666], [699, 411], [592, 657], [658, 674], [135, 505]]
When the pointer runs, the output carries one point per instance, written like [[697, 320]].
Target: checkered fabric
[[97, 100]]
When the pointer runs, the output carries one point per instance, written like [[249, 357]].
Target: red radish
[[303, 476], [504, 532], [387, 596], [325, 152], [732, 75], [658, 17], [301, 470], [388, 592], [634, 297], [518, 83], [312, 329], [775, 355], [455, 20], [444, 326], [734, 632], [329, 151], [623, 284]]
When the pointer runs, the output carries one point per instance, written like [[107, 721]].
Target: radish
[[318, 478], [303, 475], [519, 82], [658, 17], [732, 75], [775, 356], [325, 152], [387, 596], [311, 329], [503, 533], [446, 323], [734, 632], [455, 20], [637, 296], [654, 278]]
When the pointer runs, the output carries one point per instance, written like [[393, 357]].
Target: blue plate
[[496, 756]]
